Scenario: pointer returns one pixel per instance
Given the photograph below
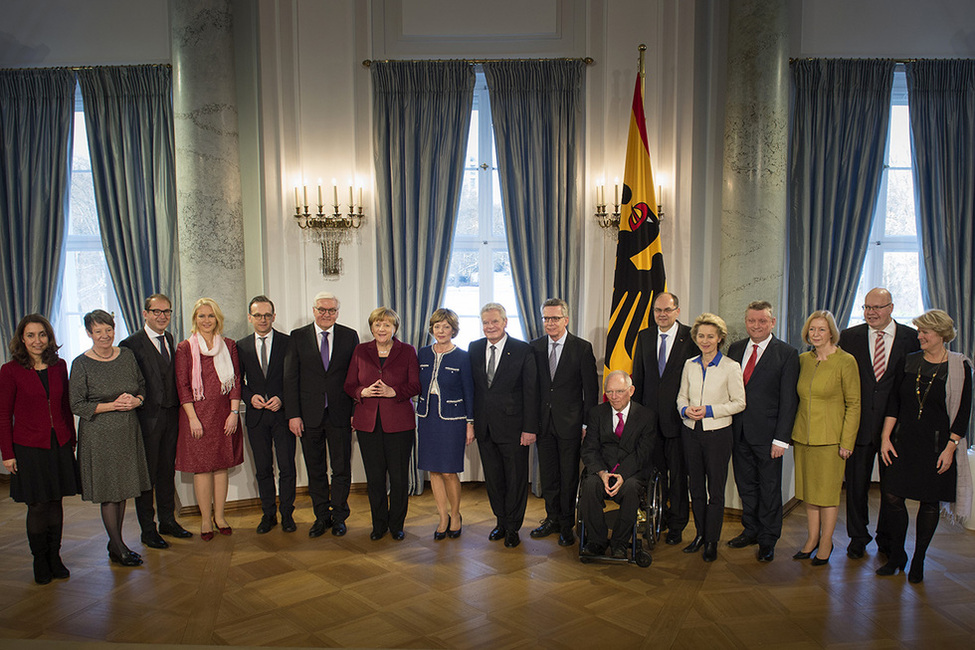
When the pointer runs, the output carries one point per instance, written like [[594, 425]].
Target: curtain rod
[[75, 68], [368, 62], [822, 58]]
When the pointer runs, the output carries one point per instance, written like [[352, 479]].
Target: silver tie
[[264, 355], [491, 366], [553, 360]]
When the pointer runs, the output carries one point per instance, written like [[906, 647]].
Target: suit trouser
[[707, 454], [593, 498], [759, 480], [558, 464], [668, 458], [263, 437], [387, 454], [506, 478], [859, 470], [160, 446], [326, 503]]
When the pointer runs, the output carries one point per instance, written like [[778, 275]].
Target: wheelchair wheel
[[654, 510], [643, 558]]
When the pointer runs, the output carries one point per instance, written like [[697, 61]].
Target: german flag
[[639, 259]]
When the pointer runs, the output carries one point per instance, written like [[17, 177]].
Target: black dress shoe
[[696, 545], [317, 529], [818, 561], [152, 539], [125, 559], [267, 523], [511, 539], [339, 529], [674, 538], [591, 549], [496, 534], [567, 538], [618, 552], [547, 528], [288, 524], [173, 529], [742, 541], [377, 534], [855, 550], [398, 535], [710, 552], [766, 553], [439, 536]]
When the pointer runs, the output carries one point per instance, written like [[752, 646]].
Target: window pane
[[467, 220], [900, 137], [900, 204], [504, 291], [901, 277], [82, 215], [472, 149], [497, 214]]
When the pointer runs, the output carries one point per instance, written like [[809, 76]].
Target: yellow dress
[[827, 419]]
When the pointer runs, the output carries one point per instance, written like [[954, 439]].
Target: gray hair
[[494, 306], [325, 295], [557, 302], [627, 380]]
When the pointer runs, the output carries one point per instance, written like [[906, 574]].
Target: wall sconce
[[329, 230], [611, 220]]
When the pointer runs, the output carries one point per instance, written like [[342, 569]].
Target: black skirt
[[44, 474]]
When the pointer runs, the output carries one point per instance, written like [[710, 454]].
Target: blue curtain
[[941, 96], [838, 135], [36, 114], [539, 119], [421, 118], [129, 118]]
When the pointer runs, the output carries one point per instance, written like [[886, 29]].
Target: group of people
[[148, 407]]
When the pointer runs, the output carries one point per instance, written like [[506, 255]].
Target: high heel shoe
[[223, 530], [206, 535], [438, 536], [454, 534], [818, 561], [917, 571], [896, 562], [803, 555]]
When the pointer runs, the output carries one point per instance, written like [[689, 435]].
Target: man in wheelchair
[[616, 454]]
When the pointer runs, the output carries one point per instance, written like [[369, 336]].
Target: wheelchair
[[649, 520]]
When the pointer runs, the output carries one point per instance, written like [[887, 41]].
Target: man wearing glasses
[[320, 412], [159, 420], [879, 346], [658, 362], [262, 357]]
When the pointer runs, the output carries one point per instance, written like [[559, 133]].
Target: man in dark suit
[[616, 451], [159, 420], [568, 388], [658, 362], [763, 430], [261, 358], [879, 346], [505, 418], [320, 412]]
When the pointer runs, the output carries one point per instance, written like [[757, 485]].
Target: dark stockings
[[927, 523], [113, 513]]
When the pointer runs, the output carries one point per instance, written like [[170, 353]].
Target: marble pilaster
[[754, 199], [211, 233]]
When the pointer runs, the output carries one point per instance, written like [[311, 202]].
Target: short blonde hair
[[386, 314], [448, 316], [939, 322], [713, 320], [212, 304], [827, 315]]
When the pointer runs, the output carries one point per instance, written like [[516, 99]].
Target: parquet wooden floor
[[288, 590]]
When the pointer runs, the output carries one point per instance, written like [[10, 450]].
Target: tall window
[[85, 281], [893, 259], [480, 270]]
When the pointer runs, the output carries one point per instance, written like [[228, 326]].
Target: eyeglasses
[[331, 311], [160, 312], [668, 310], [876, 307], [262, 316], [552, 319]]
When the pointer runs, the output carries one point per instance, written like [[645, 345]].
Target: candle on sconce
[[360, 197], [335, 194], [351, 199], [306, 196], [660, 194], [297, 204], [319, 195], [616, 191]]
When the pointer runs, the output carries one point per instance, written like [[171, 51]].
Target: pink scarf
[[222, 363]]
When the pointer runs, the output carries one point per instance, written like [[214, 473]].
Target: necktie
[[163, 348], [325, 350], [619, 426], [264, 355], [750, 366], [553, 360], [662, 355], [879, 357], [490, 366]]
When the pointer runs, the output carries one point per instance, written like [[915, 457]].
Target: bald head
[[878, 306]]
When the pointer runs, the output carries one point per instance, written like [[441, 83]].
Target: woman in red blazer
[[37, 439], [383, 377]]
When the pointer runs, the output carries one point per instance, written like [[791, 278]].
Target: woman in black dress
[[924, 430], [37, 439]]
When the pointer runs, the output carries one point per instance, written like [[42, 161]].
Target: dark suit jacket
[[770, 394], [510, 406], [306, 383], [255, 383], [568, 397], [659, 394], [400, 371], [602, 450], [873, 393], [160, 377]]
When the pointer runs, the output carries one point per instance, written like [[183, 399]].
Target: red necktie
[[619, 426], [879, 357], [750, 366]]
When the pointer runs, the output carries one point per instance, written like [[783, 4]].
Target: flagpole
[[643, 70]]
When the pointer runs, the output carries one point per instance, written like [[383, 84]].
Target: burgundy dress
[[215, 450]]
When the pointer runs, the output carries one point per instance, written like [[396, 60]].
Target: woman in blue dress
[[445, 412]]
